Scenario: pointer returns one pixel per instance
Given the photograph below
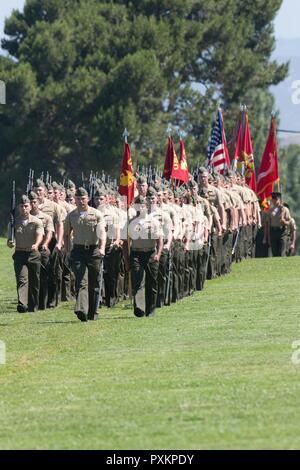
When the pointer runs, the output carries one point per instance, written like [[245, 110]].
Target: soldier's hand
[[156, 257], [58, 247], [10, 244], [44, 247], [102, 251], [35, 247]]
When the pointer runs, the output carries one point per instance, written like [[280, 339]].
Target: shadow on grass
[[54, 322], [102, 317]]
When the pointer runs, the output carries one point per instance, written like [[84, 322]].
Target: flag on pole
[[217, 155], [268, 174], [238, 149], [250, 175], [243, 157], [184, 172], [180, 169], [171, 161], [126, 187]]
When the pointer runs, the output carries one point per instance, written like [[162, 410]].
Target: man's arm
[[159, 248], [39, 238], [59, 235]]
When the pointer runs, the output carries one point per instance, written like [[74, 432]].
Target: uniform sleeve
[[39, 227], [63, 213], [286, 214], [220, 198], [67, 225], [158, 231], [206, 208], [101, 232], [166, 224], [49, 227], [116, 220]]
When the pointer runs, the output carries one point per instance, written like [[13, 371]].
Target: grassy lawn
[[213, 371]]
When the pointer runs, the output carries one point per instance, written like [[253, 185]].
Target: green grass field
[[212, 372]]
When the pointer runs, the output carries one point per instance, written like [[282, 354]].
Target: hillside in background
[[288, 50]]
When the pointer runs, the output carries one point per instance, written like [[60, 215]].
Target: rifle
[[11, 235], [208, 253], [31, 181], [149, 175], [99, 298], [168, 286], [236, 240]]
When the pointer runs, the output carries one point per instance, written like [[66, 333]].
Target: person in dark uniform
[[29, 234], [278, 220], [89, 239]]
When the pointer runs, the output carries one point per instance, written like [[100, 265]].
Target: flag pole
[[273, 118], [169, 134], [125, 136]]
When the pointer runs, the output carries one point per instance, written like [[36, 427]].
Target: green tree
[[79, 71], [289, 172]]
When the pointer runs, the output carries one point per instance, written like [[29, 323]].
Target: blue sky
[[286, 23]]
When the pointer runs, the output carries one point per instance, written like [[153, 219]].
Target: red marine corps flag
[[183, 172], [268, 173], [126, 187], [244, 153], [171, 161]]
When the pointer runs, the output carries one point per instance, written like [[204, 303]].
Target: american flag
[[217, 154]]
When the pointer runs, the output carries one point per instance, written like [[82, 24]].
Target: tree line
[[79, 71]]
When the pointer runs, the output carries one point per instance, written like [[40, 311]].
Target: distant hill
[[288, 50]]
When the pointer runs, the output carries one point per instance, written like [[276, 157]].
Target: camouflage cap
[[140, 200], [55, 186], [39, 183], [151, 191], [32, 195], [80, 192], [141, 179], [157, 187], [71, 184], [192, 183], [99, 192], [202, 169], [24, 199]]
